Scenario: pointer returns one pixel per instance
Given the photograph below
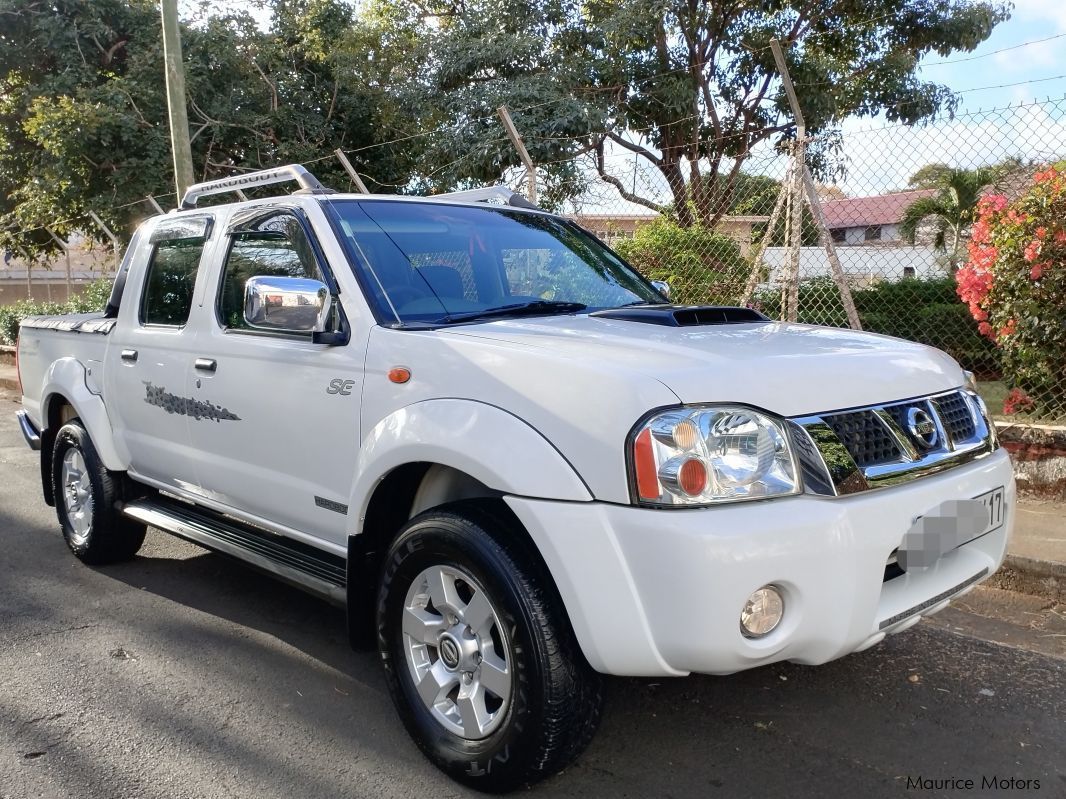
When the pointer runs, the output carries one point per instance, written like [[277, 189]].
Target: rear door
[[150, 354]]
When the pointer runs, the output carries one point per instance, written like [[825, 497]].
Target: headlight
[[971, 380], [699, 456]]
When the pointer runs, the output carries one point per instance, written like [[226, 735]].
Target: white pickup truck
[[507, 455]]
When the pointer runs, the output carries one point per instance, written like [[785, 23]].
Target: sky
[[1027, 66]]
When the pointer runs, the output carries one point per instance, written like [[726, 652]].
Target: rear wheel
[[479, 655], [86, 501]]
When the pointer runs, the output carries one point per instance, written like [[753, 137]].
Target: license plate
[[948, 527], [993, 502]]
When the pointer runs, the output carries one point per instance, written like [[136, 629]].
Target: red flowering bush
[[1015, 286]]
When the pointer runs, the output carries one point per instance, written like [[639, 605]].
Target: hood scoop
[[683, 315]]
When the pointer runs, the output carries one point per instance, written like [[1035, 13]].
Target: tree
[[83, 106], [689, 86], [951, 210]]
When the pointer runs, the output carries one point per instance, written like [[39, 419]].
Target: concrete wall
[[863, 264], [12, 291]]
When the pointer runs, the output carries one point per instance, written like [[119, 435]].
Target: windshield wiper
[[518, 309]]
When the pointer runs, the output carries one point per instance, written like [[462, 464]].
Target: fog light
[[762, 612]]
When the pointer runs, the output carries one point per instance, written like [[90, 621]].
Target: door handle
[[206, 364], [129, 356]]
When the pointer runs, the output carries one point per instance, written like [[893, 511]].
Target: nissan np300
[[512, 460]]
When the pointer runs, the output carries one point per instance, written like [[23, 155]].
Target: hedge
[[92, 298]]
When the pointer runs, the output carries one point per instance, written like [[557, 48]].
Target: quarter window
[[275, 246], [169, 284]]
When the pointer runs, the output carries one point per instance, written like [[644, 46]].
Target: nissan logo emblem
[[922, 428], [449, 652]]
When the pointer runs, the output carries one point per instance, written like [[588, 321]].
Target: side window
[[275, 246], [170, 280]]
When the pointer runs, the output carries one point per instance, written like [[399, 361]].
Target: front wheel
[[86, 501], [479, 655]]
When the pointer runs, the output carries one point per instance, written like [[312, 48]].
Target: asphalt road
[[183, 674]]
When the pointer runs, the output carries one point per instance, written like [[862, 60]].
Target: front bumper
[[659, 592]]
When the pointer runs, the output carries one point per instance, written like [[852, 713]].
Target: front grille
[[874, 447], [957, 416], [866, 438]]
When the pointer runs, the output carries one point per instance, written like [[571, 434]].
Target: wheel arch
[[64, 385], [405, 492]]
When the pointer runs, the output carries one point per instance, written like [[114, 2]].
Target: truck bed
[[46, 340]]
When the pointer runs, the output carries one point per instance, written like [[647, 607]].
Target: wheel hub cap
[[457, 652], [77, 496]]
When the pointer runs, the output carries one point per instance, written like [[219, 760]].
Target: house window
[[908, 271], [839, 234], [872, 233]]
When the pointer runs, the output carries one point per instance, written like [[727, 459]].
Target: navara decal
[[186, 406]]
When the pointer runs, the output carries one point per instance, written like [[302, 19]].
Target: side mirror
[[287, 304], [662, 287]]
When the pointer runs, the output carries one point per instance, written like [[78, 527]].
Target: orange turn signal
[[644, 463], [399, 374]]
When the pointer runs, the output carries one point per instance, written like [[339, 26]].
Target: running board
[[301, 565]]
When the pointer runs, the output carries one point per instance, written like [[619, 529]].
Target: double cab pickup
[[513, 461]]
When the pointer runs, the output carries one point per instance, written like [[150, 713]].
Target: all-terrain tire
[[87, 495], [555, 697]]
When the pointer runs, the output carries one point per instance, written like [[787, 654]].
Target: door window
[[170, 281], [275, 246]]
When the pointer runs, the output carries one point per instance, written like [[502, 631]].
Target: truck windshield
[[441, 264]]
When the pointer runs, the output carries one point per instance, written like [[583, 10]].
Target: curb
[[1041, 578]]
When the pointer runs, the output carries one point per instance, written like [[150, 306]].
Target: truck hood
[[789, 369]]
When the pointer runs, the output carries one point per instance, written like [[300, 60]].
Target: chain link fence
[[875, 228], [889, 231]]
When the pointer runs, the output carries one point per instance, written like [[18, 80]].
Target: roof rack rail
[[508, 196], [235, 183]]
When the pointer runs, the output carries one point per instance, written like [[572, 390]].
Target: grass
[[994, 392]]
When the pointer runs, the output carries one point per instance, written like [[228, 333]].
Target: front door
[[278, 440]]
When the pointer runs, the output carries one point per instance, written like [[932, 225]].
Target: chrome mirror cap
[[287, 304]]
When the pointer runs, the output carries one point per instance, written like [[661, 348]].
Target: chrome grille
[[957, 416], [876, 446], [865, 436]]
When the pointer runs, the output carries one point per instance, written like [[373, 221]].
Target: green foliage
[[1015, 285], [91, 298], [700, 265], [83, 115], [927, 311], [591, 73]]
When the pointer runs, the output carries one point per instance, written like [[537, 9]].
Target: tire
[[86, 495], [539, 718]]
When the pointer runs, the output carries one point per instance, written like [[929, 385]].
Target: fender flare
[[66, 378], [488, 443]]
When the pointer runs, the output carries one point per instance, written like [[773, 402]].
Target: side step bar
[[301, 565]]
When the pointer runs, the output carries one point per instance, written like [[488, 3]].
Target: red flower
[[1044, 175], [1032, 250], [1017, 400], [1037, 271]]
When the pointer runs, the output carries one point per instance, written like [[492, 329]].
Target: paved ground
[[1041, 531], [182, 674]]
